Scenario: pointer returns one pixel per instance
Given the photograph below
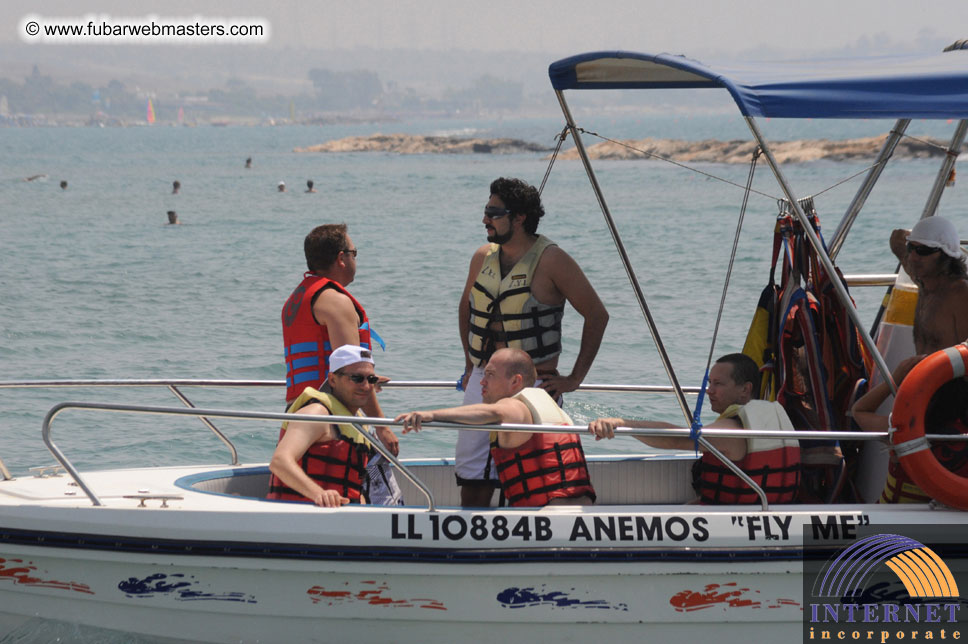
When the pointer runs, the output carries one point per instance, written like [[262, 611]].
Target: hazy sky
[[560, 26]]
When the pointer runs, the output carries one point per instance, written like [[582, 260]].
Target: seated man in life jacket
[[535, 469], [322, 462], [772, 463]]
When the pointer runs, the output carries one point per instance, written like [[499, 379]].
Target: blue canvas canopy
[[927, 87]]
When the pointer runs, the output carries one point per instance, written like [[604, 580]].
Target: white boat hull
[[224, 568]]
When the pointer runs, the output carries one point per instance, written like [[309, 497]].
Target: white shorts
[[472, 459]]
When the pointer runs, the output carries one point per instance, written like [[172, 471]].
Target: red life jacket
[[338, 464], [777, 471], [546, 467], [306, 342]]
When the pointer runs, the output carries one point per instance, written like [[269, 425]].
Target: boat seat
[[255, 484]]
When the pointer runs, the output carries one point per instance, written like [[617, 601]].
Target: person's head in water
[[281, 187], [511, 200], [309, 186], [175, 187], [63, 185], [248, 162], [173, 217]]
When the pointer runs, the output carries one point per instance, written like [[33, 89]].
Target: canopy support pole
[[822, 255], [934, 198], [620, 246], [887, 151]]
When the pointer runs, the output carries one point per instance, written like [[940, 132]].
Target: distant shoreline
[[708, 150]]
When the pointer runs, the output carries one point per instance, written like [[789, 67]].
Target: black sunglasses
[[923, 251], [351, 251], [358, 378], [495, 212]]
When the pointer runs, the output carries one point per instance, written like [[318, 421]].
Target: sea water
[[94, 284]]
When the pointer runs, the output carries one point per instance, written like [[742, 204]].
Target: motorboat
[[197, 552]]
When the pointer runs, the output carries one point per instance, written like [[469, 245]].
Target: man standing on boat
[[931, 254], [515, 296], [322, 462], [321, 314], [535, 469], [772, 463]]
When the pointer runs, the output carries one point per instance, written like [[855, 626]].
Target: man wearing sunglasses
[[931, 254], [515, 297], [320, 315], [323, 462]]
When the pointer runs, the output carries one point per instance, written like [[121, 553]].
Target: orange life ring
[[907, 417]]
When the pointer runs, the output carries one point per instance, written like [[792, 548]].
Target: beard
[[499, 239]]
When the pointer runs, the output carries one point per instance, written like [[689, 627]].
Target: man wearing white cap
[[931, 254], [325, 463]]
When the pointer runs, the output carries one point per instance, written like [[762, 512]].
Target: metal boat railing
[[174, 384], [204, 414], [359, 421]]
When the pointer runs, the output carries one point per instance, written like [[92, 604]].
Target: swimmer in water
[[173, 218], [309, 186]]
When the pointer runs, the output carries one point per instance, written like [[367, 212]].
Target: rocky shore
[[708, 151], [416, 144], [713, 151]]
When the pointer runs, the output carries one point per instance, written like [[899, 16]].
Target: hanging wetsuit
[[503, 309]]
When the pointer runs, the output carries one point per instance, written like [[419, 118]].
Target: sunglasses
[[923, 251], [351, 251], [495, 212], [360, 378]]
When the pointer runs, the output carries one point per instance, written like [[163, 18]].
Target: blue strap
[[460, 383], [696, 430], [374, 335]]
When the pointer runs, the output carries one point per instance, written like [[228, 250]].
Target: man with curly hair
[[515, 297]]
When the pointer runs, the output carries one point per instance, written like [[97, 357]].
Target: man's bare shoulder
[[956, 295], [313, 409], [332, 300], [555, 260], [513, 410]]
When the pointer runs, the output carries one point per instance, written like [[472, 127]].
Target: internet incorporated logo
[[867, 603]]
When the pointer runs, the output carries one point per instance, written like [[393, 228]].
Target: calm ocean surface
[[94, 285]]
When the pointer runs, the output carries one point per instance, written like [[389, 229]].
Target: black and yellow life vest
[[525, 323]]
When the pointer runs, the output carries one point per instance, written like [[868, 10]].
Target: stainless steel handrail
[[172, 385], [874, 279], [360, 420], [217, 413], [403, 384]]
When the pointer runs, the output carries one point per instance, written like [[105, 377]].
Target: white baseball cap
[[937, 232], [348, 354]]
